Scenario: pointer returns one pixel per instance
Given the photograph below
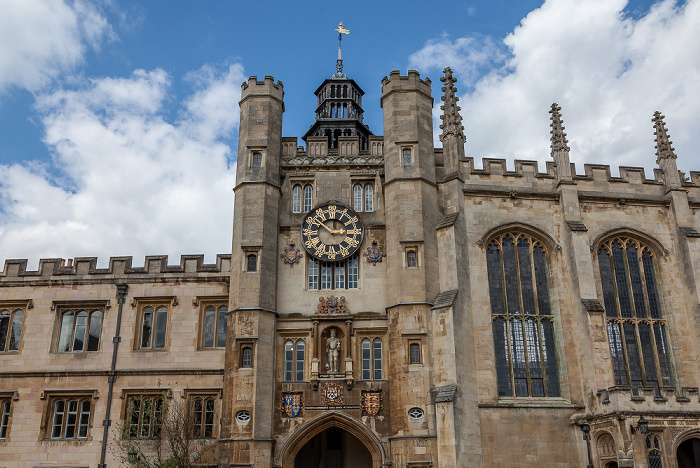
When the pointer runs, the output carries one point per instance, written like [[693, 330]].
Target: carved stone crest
[[374, 254], [332, 394], [332, 305], [291, 256], [371, 402], [292, 404]]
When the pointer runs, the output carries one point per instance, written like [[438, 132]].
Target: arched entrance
[[338, 435], [333, 448], [688, 454]]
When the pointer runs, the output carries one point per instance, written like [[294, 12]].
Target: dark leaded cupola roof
[[339, 111]]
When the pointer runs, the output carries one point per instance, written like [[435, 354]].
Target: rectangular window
[[252, 262], [247, 356], [213, 325], [153, 322], [406, 155], [411, 260], [79, 329], [308, 198], [326, 272], [144, 416], [69, 417], [11, 321], [257, 159], [333, 275], [5, 404], [414, 353], [313, 273], [202, 408]]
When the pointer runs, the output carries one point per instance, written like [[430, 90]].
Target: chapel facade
[[385, 304]]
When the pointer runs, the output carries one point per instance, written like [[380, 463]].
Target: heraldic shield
[[372, 403], [292, 404]]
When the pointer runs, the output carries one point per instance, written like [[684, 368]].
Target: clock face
[[332, 232]]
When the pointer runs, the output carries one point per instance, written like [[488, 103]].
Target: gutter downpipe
[[121, 294]]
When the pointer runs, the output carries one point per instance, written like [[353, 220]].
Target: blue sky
[[118, 119]]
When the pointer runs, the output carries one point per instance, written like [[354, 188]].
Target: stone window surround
[[6, 398], [250, 250], [141, 303], [61, 307], [128, 394], [13, 307], [262, 151], [302, 181], [204, 302], [411, 339], [414, 247], [243, 343], [363, 182], [411, 146], [190, 394], [51, 396], [371, 338]]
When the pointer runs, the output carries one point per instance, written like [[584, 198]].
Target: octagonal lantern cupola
[[339, 110]]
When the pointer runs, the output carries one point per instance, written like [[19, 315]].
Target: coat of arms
[[374, 254], [292, 404], [371, 402], [332, 394], [332, 305], [291, 256]]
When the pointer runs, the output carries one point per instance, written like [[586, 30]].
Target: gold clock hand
[[327, 228]]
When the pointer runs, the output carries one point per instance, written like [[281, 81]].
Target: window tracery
[[636, 327], [523, 324]]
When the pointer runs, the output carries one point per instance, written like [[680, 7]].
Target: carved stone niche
[[326, 351]]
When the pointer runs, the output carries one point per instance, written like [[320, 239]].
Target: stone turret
[[452, 136]]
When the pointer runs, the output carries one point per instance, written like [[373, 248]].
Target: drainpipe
[[121, 294]]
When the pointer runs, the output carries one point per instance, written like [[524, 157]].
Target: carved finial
[[451, 119], [664, 150], [559, 141]]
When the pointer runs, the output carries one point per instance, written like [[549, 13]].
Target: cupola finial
[[451, 118], [558, 140], [664, 150], [339, 63]]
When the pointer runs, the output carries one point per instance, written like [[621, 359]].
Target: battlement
[[81, 267], [261, 88], [591, 172], [410, 82]]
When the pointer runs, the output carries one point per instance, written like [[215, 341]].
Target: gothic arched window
[[653, 451], [294, 356], [369, 197], [372, 359], [308, 198], [357, 197], [296, 199], [637, 335], [523, 325]]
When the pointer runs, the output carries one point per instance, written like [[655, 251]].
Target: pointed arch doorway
[[688, 453], [333, 440]]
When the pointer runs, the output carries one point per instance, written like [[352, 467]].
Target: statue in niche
[[333, 352]]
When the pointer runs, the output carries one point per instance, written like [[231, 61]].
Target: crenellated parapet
[[409, 82], [265, 87], [86, 267]]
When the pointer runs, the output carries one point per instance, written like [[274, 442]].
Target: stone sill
[[532, 403]]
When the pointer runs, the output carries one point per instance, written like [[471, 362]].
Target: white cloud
[[132, 183], [40, 39], [608, 72]]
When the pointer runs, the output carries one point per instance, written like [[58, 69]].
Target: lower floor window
[[333, 275], [202, 417], [70, 418], [4, 418], [144, 417]]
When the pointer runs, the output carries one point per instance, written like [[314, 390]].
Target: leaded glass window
[[214, 333], [144, 417], [653, 451], [523, 324], [333, 275], [294, 360], [70, 418], [80, 330], [369, 197], [10, 329], [357, 197], [371, 353], [636, 327], [308, 198], [202, 417], [296, 199]]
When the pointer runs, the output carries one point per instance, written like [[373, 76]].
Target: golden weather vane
[[341, 30]]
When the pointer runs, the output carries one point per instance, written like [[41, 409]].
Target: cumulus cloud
[[40, 39], [130, 182], [607, 70]]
